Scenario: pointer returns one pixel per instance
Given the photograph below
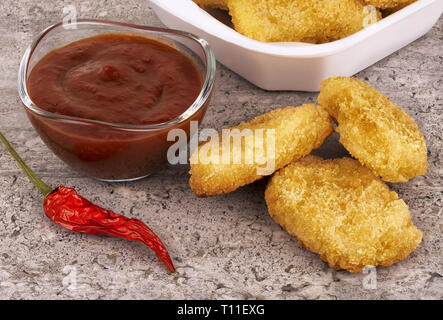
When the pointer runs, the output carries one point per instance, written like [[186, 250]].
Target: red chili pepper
[[73, 212]]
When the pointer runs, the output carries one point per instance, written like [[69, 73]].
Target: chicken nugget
[[221, 4], [374, 129], [384, 4], [340, 210], [310, 21], [240, 155]]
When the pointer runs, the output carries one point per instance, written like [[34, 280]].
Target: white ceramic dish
[[297, 66]]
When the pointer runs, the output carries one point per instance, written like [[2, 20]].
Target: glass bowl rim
[[199, 102]]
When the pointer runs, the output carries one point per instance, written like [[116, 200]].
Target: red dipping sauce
[[115, 78], [122, 80]]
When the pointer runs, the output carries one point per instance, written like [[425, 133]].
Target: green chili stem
[[42, 187]]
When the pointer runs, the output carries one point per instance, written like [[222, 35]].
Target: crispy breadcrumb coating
[[342, 211], [311, 21], [297, 131], [221, 4], [384, 4], [375, 130]]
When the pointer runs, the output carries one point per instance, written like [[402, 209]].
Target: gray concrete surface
[[224, 247]]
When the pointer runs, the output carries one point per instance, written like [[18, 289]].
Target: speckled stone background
[[224, 247]]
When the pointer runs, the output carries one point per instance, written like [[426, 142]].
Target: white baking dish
[[297, 66]]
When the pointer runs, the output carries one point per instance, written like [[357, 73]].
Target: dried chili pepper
[[73, 212]]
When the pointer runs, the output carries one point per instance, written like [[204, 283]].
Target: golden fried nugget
[[221, 4], [270, 142], [300, 20], [342, 211], [375, 130], [384, 4]]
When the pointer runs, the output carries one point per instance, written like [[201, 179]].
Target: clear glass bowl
[[109, 151]]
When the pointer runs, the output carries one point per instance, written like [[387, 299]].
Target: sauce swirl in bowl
[[128, 79]]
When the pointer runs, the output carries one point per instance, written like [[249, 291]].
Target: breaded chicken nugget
[[270, 141], [384, 4], [375, 130], [221, 4], [342, 211], [300, 20]]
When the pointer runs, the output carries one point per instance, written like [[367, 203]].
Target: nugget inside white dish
[[221, 4], [310, 21], [384, 4]]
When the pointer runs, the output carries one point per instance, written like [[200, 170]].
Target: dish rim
[[287, 49]]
